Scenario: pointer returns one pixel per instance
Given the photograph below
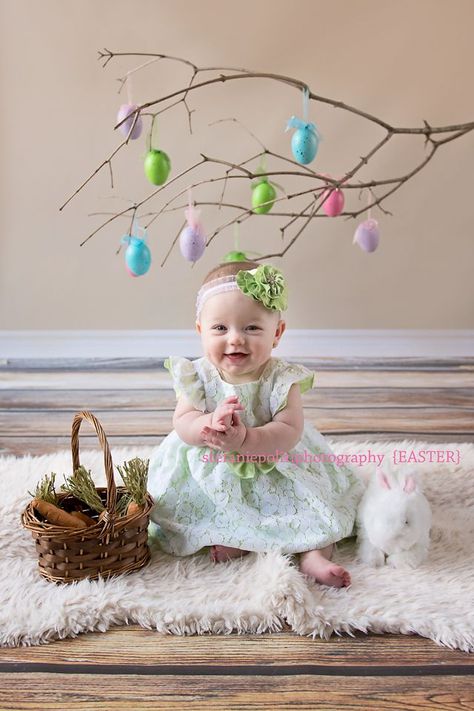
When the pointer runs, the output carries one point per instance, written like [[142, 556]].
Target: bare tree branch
[[317, 182]]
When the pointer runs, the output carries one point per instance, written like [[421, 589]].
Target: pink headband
[[215, 286]]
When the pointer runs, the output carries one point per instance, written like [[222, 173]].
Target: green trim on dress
[[249, 469], [305, 384]]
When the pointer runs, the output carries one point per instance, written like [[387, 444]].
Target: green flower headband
[[264, 283]]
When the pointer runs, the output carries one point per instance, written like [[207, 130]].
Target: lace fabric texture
[[202, 497]]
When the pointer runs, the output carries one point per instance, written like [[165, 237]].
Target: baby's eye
[[218, 327], [256, 328]]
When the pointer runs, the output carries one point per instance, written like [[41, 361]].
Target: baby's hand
[[227, 441], [222, 415]]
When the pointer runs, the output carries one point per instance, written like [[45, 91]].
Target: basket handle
[[109, 467]]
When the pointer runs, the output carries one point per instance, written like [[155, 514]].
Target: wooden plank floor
[[133, 668], [354, 399]]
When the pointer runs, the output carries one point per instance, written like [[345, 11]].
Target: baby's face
[[233, 323]]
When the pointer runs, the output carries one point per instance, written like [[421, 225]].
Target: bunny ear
[[383, 479], [410, 483]]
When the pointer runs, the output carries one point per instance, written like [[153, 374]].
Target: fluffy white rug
[[254, 594]]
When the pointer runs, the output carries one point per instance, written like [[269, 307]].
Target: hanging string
[[236, 236], [193, 214], [150, 135], [137, 230], [129, 88], [190, 212], [369, 198], [305, 103], [262, 166]]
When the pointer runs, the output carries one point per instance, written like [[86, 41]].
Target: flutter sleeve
[[186, 381], [286, 376]]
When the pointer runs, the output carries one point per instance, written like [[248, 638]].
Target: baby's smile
[[238, 335], [236, 357]]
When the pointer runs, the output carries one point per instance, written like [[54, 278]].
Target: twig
[[239, 171]]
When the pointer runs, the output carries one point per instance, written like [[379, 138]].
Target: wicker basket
[[113, 546]]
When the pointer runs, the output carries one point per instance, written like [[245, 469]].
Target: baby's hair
[[226, 268]]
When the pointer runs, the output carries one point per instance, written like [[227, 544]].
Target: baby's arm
[[188, 422], [282, 433]]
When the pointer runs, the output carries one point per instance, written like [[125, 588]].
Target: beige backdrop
[[403, 60]]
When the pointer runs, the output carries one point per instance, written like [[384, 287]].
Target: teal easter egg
[[263, 193], [304, 145], [157, 167], [137, 257]]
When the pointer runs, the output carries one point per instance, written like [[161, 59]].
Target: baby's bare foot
[[314, 564], [219, 554]]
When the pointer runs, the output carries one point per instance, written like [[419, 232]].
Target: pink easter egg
[[124, 111], [334, 204], [192, 243], [132, 274], [367, 235]]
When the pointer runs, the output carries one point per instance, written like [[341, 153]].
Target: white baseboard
[[370, 343]]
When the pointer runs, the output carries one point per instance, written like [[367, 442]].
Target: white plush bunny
[[393, 520]]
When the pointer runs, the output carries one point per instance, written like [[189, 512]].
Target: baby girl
[[239, 472]]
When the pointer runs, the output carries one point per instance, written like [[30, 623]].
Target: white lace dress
[[291, 505]]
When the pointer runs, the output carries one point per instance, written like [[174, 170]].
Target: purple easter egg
[[335, 202], [367, 235], [192, 243], [124, 111]]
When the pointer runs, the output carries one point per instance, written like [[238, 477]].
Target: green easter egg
[[235, 257], [157, 167], [261, 193]]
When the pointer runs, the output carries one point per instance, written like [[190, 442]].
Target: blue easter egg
[[137, 256], [304, 145]]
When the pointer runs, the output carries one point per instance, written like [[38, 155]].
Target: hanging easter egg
[[263, 196], [124, 111], [192, 240], [157, 166], [137, 255], [333, 202], [192, 243], [367, 235], [304, 141], [304, 145], [235, 256]]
